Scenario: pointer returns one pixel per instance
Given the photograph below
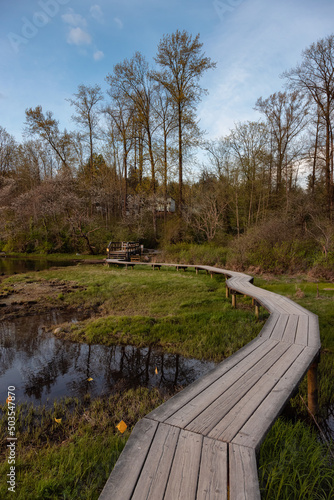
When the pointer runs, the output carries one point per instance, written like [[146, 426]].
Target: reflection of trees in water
[[7, 351], [46, 362], [46, 369]]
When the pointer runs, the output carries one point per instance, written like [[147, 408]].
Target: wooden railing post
[[257, 308], [312, 388], [227, 292], [234, 300]]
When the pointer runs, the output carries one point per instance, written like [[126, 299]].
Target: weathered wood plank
[[212, 482], [216, 411], [178, 401], [269, 326], [236, 418], [255, 429], [244, 483], [280, 326], [182, 483], [154, 475], [302, 330], [290, 329], [124, 476], [190, 411], [314, 333]]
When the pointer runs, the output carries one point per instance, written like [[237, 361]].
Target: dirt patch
[[34, 297]]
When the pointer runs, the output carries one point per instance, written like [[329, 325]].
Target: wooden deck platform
[[202, 443]]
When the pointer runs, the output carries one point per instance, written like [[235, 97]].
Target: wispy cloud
[[77, 36], [118, 22], [96, 13], [98, 55], [74, 19]]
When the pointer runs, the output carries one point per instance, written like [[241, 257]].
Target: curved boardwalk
[[202, 443]]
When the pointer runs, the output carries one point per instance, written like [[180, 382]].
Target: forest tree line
[[268, 182]]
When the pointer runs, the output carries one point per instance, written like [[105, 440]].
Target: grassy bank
[[294, 465], [181, 312], [72, 457]]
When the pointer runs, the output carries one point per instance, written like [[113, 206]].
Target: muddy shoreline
[[36, 297]]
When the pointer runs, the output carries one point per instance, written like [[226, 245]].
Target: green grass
[[182, 313], [295, 465], [72, 459]]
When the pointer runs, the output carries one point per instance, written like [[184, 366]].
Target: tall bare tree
[[86, 103], [182, 64], [286, 115], [46, 128], [315, 76]]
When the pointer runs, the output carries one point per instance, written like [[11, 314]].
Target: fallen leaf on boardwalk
[[156, 370], [90, 379], [58, 420], [121, 426]]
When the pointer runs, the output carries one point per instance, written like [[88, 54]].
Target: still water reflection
[[43, 368], [13, 266]]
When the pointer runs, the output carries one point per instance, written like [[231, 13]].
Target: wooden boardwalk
[[202, 443]]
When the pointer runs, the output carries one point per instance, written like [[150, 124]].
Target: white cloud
[[74, 19], [98, 55], [118, 22], [96, 13], [77, 36]]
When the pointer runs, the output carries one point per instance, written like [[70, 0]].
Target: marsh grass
[[183, 313], [71, 459], [295, 465]]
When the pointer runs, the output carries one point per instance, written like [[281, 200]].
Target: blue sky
[[49, 47]]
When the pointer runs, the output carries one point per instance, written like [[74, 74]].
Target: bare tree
[[315, 76], [286, 116], [7, 152], [182, 65], [87, 115], [46, 128]]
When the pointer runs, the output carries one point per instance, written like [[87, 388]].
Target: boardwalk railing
[[202, 443], [123, 249]]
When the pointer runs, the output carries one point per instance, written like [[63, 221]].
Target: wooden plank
[[269, 326], [302, 330], [212, 482], [123, 478], [236, 418], [208, 418], [278, 331], [313, 331], [255, 429], [244, 483], [154, 475], [164, 411], [190, 411], [182, 482], [290, 329]]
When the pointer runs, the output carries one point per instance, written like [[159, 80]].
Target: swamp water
[[43, 368], [11, 265]]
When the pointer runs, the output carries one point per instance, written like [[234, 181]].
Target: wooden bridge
[[124, 250], [202, 443]]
